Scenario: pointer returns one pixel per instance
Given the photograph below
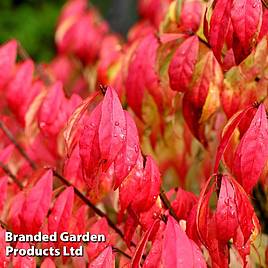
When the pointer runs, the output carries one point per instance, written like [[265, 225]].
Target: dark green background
[[32, 22]]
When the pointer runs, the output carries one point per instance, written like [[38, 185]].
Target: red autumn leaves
[[109, 138], [109, 146], [251, 154], [234, 218], [236, 24], [182, 94]]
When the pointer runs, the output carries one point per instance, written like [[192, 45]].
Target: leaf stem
[[10, 174], [167, 204], [10, 136]]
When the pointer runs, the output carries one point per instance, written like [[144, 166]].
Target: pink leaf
[[112, 128], [104, 260], [136, 259], [128, 156], [220, 20], [60, 216], [178, 249], [15, 212], [89, 147], [183, 203], [228, 132], [8, 53], [148, 187], [36, 204], [142, 74], [48, 263], [226, 212], [252, 151], [245, 16], [27, 261]]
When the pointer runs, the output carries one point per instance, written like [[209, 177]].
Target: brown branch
[[3, 225], [265, 3], [10, 174], [168, 206], [39, 69], [10, 136], [203, 41]]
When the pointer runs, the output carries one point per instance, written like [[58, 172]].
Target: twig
[[10, 136], [203, 41], [39, 69], [4, 225], [265, 3], [167, 204], [10, 174]]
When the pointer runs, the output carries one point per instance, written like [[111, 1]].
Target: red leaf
[[14, 216], [128, 156], [148, 187], [112, 128], [73, 169], [248, 221], [183, 203], [52, 123], [169, 37], [178, 249], [264, 26], [203, 214], [94, 249], [18, 89], [136, 259], [89, 147], [252, 151], [226, 212], [48, 263], [191, 228], [153, 259], [36, 204], [71, 130], [234, 219], [202, 100], [182, 65], [131, 224], [27, 261], [245, 16], [8, 53], [219, 24], [191, 14], [58, 220], [104, 260], [142, 74], [227, 134]]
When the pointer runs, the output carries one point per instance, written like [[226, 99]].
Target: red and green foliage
[[159, 141]]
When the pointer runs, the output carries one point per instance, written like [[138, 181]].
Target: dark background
[[33, 22]]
